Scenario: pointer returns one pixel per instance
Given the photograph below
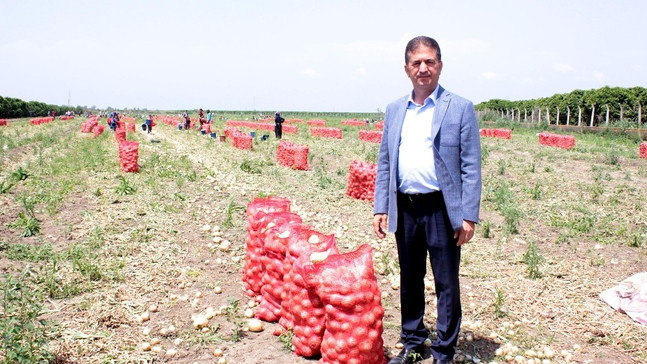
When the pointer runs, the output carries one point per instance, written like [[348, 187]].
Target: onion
[[255, 325], [146, 346]]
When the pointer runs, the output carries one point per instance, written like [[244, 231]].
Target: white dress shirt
[[416, 169]]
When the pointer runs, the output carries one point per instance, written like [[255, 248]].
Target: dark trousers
[[423, 226], [278, 131]]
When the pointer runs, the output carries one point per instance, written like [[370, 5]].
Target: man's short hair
[[421, 40]]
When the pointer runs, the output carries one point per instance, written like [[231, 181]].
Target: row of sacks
[[325, 132], [497, 133], [330, 301], [557, 140], [373, 136], [353, 122], [643, 150], [361, 180], [65, 117], [287, 129], [43, 120]]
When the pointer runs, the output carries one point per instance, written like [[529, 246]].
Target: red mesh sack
[[643, 150], [130, 127], [128, 156], [253, 269], [3, 122], [361, 180], [88, 125], [292, 155], [348, 289], [305, 242], [120, 135], [98, 130], [379, 125], [206, 128], [282, 228], [241, 140]]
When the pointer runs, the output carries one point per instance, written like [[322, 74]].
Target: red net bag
[[120, 135], [206, 128], [292, 155], [130, 127], [305, 242], [361, 180], [88, 125], [128, 156], [253, 269], [281, 229], [347, 286], [98, 130], [643, 150]]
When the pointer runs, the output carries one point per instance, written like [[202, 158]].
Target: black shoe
[[410, 356]]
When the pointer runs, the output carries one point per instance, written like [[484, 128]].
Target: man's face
[[423, 68]]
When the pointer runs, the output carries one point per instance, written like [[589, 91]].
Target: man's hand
[[380, 225], [463, 235]]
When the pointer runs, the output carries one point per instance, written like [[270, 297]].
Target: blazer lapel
[[442, 103]]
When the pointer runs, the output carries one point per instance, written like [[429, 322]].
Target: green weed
[[533, 258], [499, 300], [125, 187], [24, 333]]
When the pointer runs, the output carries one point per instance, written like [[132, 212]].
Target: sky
[[310, 55]]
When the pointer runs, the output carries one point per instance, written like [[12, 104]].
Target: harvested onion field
[[120, 264]]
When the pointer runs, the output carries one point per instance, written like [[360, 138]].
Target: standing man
[[278, 125], [428, 191]]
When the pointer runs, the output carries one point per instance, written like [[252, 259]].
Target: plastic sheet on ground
[[630, 297]]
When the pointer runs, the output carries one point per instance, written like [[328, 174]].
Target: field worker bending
[[428, 192]]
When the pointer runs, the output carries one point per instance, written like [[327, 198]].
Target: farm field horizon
[[118, 260]]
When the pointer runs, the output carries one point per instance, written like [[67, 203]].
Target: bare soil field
[[119, 263]]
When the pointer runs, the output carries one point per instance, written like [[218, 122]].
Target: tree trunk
[[579, 116], [568, 115], [548, 115], [639, 114], [525, 115], [539, 118], [557, 120], [518, 115], [621, 111], [512, 115], [607, 121], [592, 113]]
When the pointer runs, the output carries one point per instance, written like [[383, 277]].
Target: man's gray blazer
[[457, 157]]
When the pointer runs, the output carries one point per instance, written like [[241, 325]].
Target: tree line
[[592, 107], [16, 108]]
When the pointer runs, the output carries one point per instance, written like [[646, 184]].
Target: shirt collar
[[433, 97]]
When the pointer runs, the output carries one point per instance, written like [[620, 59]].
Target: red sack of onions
[[305, 242], [361, 180], [120, 135], [348, 289], [274, 227], [253, 269], [128, 156], [98, 130]]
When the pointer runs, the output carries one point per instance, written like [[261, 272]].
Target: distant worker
[[278, 125], [209, 116]]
